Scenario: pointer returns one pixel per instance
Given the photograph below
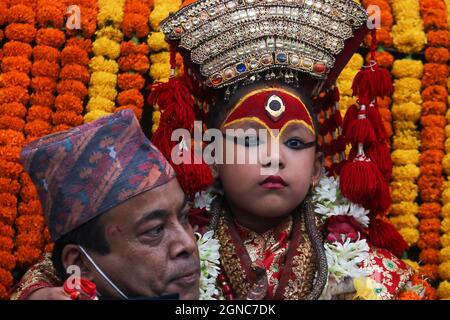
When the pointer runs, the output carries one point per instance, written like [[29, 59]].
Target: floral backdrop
[[54, 77]]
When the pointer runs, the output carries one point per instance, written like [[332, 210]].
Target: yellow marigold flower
[[445, 240], [404, 207], [444, 254], [446, 210], [98, 64], [404, 126], [406, 221], [111, 33], [107, 92], [404, 191], [407, 68], [356, 62], [156, 118], [406, 141], [346, 102], [94, 115], [445, 225], [412, 264], [99, 103], [404, 157], [410, 235], [161, 57], [444, 270], [110, 12], [161, 11], [159, 71], [443, 290], [407, 90], [106, 47], [446, 195], [409, 172], [156, 42], [408, 111], [103, 79], [405, 9], [407, 39], [348, 74], [447, 131]]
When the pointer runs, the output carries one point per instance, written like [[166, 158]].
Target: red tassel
[[372, 82], [384, 235], [350, 116], [379, 153], [360, 130], [374, 116]]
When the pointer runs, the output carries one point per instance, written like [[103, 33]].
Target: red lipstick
[[274, 183]]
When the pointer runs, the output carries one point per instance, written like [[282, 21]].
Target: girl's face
[[290, 153]]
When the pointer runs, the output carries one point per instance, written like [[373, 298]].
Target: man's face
[[153, 251]]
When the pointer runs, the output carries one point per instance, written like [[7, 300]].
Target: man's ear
[[72, 256], [318, 167]]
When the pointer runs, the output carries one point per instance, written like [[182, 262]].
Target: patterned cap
[[82, 173]]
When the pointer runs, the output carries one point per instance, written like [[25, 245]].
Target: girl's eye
[[248, 141], [297, 144]]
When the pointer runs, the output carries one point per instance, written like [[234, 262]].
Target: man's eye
[[297, 144], [155, 232]]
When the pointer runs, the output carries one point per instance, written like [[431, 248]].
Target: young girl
[[289, 234]]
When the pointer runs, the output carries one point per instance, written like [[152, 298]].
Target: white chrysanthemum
[[203, 200], [344, 259], [208, 248], [327, 190]]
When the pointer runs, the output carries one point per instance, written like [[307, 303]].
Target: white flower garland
[[208, 248]]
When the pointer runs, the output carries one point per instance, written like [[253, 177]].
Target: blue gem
[[282, 57], [241, 67]]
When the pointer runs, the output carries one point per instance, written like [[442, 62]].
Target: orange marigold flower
[[44, 68], [135, 25], [434, 107], [43, 98], [431, 170], [431, 156], [67, 117], [32, 239], [435, 93], [430, 225], [384, 102], [43, 84], [6, 230], [14, 94], [75, 72], [21, 14], [32, 207], [435, 121], [430, 188], [130, 47], [44, 52], [384, 38], [27, 256], [21, 64], [37, 112], [434, 74], [38, 128], [383, 58], [134, 62], [438, 38], [10, 186], [49, 247], [9, 153], [33, 223], [10, 170], [88, 23], [430, 210], [435, 20], [14, 78], [8, 200], [74, 55], [3, 13], [6, 278], [50, 37], [84, 44], [13, 123], [13, 109], [8, 214], [20, 32], [136, 7], [6, 244], [50, 16], [7, 261], [69, 102], [408, 295], [127, 81], [11, 137], [429, 256], [133, 97], [17, 49], [61, 127], [429, 271], [437, 55], [73, 87], [432, 138], [429, 240]]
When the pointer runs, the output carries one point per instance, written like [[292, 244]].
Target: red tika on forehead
[[272, 108]]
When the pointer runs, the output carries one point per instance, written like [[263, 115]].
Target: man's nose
[[183, 243]]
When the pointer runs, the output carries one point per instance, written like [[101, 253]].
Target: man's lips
[[274, 183], [187, 279]]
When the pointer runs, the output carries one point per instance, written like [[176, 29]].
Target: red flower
[[340, 228]]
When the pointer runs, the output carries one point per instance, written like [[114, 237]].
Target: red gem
[[217, 79], [226, 289], [178, 30], [319, 67]]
